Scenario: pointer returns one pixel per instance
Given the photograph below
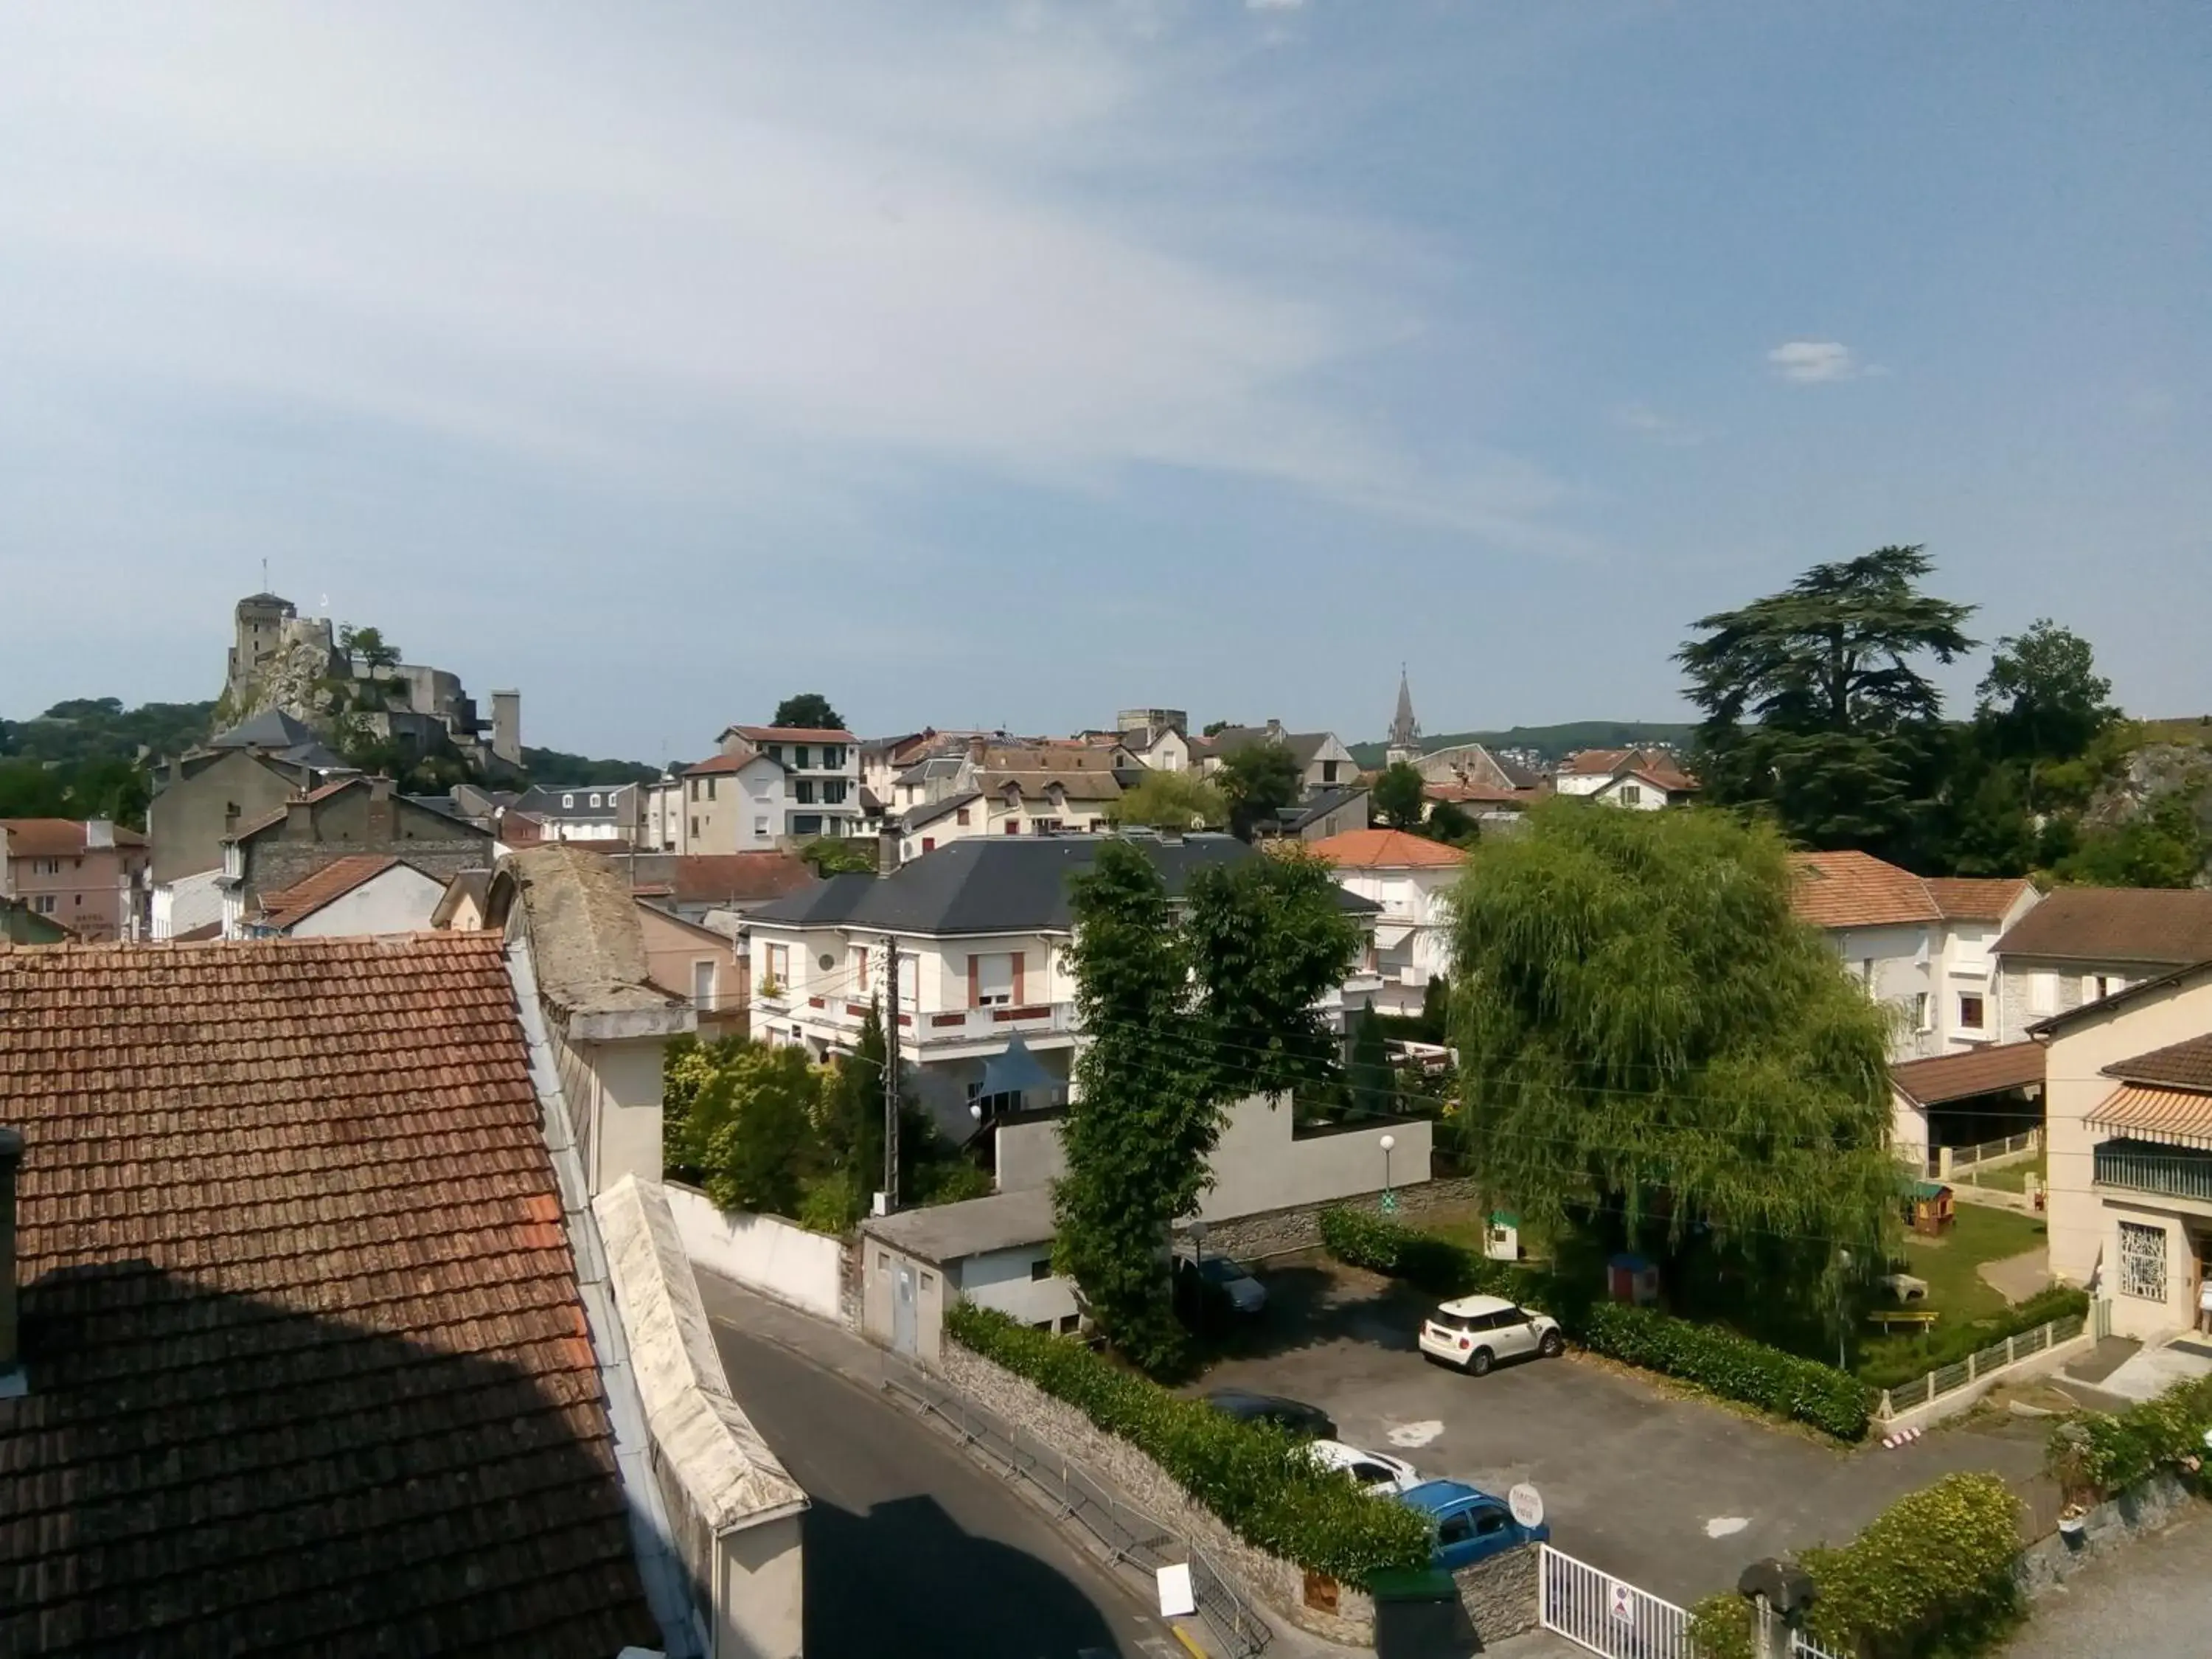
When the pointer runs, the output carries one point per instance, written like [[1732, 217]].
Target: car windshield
[[1459, 1321], [1220, 1270]]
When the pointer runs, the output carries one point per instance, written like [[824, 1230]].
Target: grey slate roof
[[947, 1232], [289, 739], [996, 885], [1303, 745], [930, 811], [1292, 819]]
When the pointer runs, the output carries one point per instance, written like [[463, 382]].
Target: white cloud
[[1648, 422], [1274, 5], [1809, 362], [745, 234]]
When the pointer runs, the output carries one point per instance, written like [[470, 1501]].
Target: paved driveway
[[1676, 1495], [2152, 1600]]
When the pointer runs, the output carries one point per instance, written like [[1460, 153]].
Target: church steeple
[[1405, 730]]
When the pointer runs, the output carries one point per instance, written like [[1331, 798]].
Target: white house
[[2129, 1138], [2082, 944], [189, 906], [1323, 761], [821, 782], [738, 801], [364, 894], [981, 929], [609, 814], [1643, 779], [1039, 789], [1923, 945], [1409, 878]]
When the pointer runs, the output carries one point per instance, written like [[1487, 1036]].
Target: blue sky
[[1009, 364]]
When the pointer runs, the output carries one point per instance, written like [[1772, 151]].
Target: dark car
[[1306, 1422]]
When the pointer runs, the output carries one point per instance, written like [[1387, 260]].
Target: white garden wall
[[772, 1256]]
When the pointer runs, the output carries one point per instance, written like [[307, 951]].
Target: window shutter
[[975, 981], [1021, 996]]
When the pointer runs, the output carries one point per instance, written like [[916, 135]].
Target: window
[[1632, 794], [833, 757], [702, 986], [798, 757], [567, 800], [2143, 1262], [1097, 825], [1041, 1268], [1329, 771], [1970, 1012], [991, 981], [1044, 1325], [710, 788], [1455, 1529], [833, 792], [595, 803], [760, 826], [1920, 1011], [1070, 1323], [695, 826], [929, 843], [44, 903], [960, 818], [802, 791], [1014, 826], [928, 1283], [861, 969], [695, 789], [1045, 826], [2042, 993], [779, 965], [806, 823], [1488, 1522]]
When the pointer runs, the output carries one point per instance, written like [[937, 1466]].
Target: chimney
[[99, 835], [298, 820], [887, 852], [382, 828], [11, 1154], [1274, 731]]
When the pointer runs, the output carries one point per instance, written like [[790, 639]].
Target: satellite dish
[[1527, 1505]]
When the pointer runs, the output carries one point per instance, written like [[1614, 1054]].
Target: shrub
[[1909, 1362], [1254, 1476], [2096, 1454], [1733, 1366], [1931, 1573]]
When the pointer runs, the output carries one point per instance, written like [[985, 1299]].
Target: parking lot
[[1675, 1494]]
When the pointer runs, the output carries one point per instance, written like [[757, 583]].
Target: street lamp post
[[1842, 1322], [1389, 1198]]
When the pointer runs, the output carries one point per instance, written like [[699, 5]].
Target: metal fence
[[1128, 1536], [1989, 1151], [1985, 1362], [1607, 1615]]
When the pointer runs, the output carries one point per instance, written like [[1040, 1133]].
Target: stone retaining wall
[[2114, 1524], [1278, 1232], [1499, 1595]]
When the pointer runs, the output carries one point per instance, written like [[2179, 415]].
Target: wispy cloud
[[1648, 423], [1811, 362]]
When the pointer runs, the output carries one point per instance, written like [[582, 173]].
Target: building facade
[[1410, 880], [89, 876], [822, 777], [2084, 943]]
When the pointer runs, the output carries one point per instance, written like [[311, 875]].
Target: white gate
[[1607, 1615]]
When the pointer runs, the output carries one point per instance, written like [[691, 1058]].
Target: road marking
[[1725, 1526], [1414, 1434]]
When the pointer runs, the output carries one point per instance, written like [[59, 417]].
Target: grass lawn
[[1955, 1289]]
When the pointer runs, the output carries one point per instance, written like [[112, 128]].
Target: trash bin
[[1417, 1616]]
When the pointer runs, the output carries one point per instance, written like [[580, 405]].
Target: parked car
[[1307, 1422], [1225, 1277], [1475, 1332], [1379, 1474], [1470, 1523]]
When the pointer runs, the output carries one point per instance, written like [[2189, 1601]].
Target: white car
[[1378, 1475], [1476, 1332]]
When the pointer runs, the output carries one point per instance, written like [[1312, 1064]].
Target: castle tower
[[1405, 730], [260, 632]]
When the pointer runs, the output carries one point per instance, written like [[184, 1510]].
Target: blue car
[[1471, 1524]]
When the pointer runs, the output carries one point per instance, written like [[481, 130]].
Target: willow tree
[[1648, 1036]]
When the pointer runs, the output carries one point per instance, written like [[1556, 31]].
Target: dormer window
[[567, 800]]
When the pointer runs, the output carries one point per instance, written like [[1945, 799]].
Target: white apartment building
[[821, 776], [1409, 878], [734, 802], [1925, 945], [1641, 780], [1009, 790], [981, 929]]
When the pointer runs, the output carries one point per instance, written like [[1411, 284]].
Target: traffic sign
[[1527, 1505], [1390, 1205], [1624, 1602]]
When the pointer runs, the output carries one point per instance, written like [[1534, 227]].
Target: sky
[[1009, 364]]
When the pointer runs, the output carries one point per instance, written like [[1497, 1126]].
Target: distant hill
[[1552, 742], [552, 766]]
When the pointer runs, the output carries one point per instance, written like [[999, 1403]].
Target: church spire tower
[[1405, 730]]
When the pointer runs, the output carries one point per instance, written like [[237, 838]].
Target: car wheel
[[1477, 1362], [1552, 1346]]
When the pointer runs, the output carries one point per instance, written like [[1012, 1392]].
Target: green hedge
[[2096, 1454], [1945, 1347], [1932, 1573], [1733, 1366], [1254, 1476]]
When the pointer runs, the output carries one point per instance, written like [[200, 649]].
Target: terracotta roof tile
[[293, 1385], [2169, 926], [1977, 898], [2180, 1064], [2000, 1067], [759, 735], [333, 881], [1383, 850], [56, 838], [1857, 890]]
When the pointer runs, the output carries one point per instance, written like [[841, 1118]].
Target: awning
[[2181, 1117], [1017, 1072], [1388, 935]]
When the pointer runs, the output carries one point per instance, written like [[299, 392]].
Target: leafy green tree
[[1258, 781], [835, 855], [1401, 795], [1368, 1078], [2043, 699], [1814, 705], [809, 711], [1171, 800], [852, 1107], [2164, 844], [1647, 1034], [1436, 1009], [368, 644], [1182, 1020], [747, 1123], [1452, 824]]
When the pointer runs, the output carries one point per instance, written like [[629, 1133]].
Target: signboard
[[1624, 1602], [1527, 1505], [1389, 1205], [1178, 1600]]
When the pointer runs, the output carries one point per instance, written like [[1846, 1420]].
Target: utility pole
[[891, 1079]]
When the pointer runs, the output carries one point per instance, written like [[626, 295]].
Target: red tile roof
[[308, 1369], [333, 881], [1977, 898], [713, 878], [2179, 1065], [56, 838], [2169, 926], [1488, 794], [1857, 890], [1383, 850], [793, 734], [1993, 1070]]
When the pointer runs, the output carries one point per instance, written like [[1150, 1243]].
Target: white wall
[[1031, 1155], [1005, 1279], [1258, 1166], [399, 900], [188, 903], [770, 1255]]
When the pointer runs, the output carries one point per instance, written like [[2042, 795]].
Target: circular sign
[[1527, 1505]]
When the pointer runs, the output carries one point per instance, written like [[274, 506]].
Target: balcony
[[2150, 1166], [953, 1028]]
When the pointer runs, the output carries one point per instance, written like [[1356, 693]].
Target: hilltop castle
[[280, 659]]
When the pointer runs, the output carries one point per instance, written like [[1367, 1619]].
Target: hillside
[[1552, 742]]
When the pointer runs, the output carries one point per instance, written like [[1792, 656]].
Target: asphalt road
[[911, 1546], [2151, 1600]]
